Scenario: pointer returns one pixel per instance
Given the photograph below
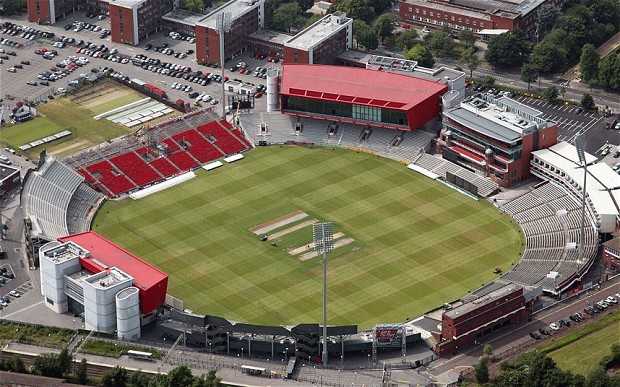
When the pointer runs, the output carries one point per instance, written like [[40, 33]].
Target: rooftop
[[411, 67], [106, 255], [502, 118], [319, 31], [357, 86], [511, 8], [183, 17], [448, 8], [126, 3], [234, 8], [108, 278], [64, 252], [271, 36], [485, 299]]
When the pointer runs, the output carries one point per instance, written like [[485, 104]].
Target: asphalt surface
[[14, 84]]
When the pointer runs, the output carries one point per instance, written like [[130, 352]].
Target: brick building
[[479, 315], [474, 15], [495, 135], [243, 17], [130, 20], [322, 42], [611, 253]]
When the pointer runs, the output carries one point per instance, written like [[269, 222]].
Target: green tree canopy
[[357, 9], [548, 15], [509, 49], [365, 35], [471, 60], [384, 26], [407, 39], [192, 5], [588, 63], [116, 377], [439, 40], [481, 370], [529, 74], [421, 54], [467, 38], [287, 16]]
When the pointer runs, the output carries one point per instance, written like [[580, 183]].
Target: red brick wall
[[293, 55], [201, 43], [126, 35], [44, 10]]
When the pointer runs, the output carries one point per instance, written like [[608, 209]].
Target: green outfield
[[405, 244]]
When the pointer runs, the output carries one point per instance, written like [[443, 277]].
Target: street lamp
[[323, 235], [286, 355], [241, 352], [223, 24]]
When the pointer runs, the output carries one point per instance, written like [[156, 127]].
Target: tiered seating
[[235, 132], [183, 161], [136, 168], [164, 167], [146, 151], [201, 149], [228, 143], [89, 178], [79, 210], [116, 183]]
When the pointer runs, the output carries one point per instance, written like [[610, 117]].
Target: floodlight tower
[[582, 160], [323, 235], [223, 24]]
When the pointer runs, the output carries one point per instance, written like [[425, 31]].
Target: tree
[[287, 16], [365, 35], [606, 12], [421, 54], [587, 101], [82, 372], [471, 60], [139, 379], [357, 9], [607, 71], [406, 39], [384, 26], [481, 370], [488, 81], [548, 15], [313, 19], [439, 40], [549, 57], [487, 350], [116, 377], [208, 380], [380, 6], [16, 364], [529, 74], [180, 376], [52, 365], [507, 50], [551, 93], [540, 367], [192, 5], [9, 7], [467, 38], [588, 63]]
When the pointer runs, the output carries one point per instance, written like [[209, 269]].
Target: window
[[49, 300], [423, 12], [431, 13], [452, 18]]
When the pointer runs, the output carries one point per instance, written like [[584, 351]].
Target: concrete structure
[[359, 96], [244, 18], [611, 253], [9, 178], [322, 42], [115, 290], [480, 315], [130, 20], [495, 135], [474, 15], [560, 163]]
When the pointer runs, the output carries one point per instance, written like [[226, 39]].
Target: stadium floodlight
[[223, 24], [323, 236], [582, 160]]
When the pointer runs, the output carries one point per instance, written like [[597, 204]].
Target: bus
[[140, 355]]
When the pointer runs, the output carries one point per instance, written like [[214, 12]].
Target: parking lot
[[15, 85]]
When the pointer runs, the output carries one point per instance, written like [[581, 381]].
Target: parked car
[[535, 336], [554, 326], [14, 293], [611, 299], [544, 331], [588, 311]]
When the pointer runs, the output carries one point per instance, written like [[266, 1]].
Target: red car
[[587, 311]]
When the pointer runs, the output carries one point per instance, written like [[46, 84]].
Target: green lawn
[[417, 243], [54, 117], [587, 347], [133, 96]]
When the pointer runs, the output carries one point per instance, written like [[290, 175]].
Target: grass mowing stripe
[[417, 243]]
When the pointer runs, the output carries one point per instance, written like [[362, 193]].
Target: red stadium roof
[[357, 85], [152, 282]]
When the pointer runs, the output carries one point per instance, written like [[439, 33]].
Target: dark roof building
[[359, 96]]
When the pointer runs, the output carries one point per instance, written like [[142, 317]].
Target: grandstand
[[157, 153], [56, 201], [551, 221], [275, 128]]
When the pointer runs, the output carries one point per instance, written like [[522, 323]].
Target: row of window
[[440, 23], [445, 16]]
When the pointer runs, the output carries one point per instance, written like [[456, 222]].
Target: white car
[[611, 299], [554, 326], [14, 293], [61, 90], [206, 98]]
